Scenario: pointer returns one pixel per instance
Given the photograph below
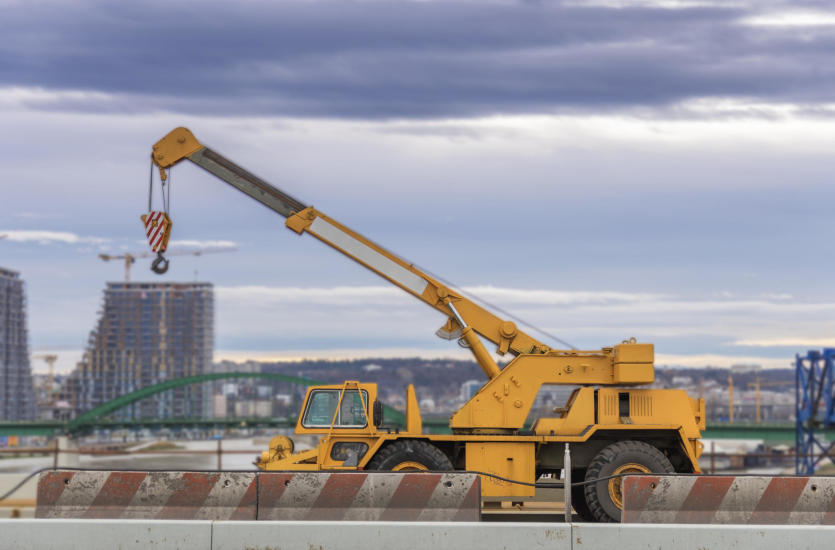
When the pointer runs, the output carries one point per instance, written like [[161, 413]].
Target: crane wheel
[[410, 455], [604, 498], [578, 496]]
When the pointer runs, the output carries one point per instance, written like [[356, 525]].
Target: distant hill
[[438, 382]]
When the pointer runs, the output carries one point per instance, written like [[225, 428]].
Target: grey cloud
[[403, 59]]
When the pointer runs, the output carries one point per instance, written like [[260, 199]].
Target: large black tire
[[399, 454], [619, 456], [578, 496]]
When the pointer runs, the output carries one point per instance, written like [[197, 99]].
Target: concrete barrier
[[350, 496], [369, 496], [776, 500], [146, 495], [701, 537], [69, 534], [389, 535]]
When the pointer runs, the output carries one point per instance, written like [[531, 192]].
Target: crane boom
[[626, 363], [466, 318], [612, 429]]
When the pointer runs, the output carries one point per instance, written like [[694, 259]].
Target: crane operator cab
[[347, 415]]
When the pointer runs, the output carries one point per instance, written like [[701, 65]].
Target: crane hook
[[160, 264]]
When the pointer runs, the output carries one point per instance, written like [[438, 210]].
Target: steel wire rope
[[501, 310], [476, 298], [556, 485], [151, 186], [166, 196], [10, 492]]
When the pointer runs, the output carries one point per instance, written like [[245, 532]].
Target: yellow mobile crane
[[612, 426]]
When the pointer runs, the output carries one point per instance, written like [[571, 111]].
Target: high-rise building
[[148, 333], [17, 396]]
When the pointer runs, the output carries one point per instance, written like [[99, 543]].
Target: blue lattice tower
[[814, 408]]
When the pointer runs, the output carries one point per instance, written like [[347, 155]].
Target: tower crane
[[730, 398], [50, 359], [757, 384], [130, 257]]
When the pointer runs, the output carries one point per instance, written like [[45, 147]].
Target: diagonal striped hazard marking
[[78, 494], [190, 493], [115, 495], [704, 499], [738, 504], [751, 500], [410, 497], [778, 500], [337, 495], [381, 496], [50, 487], [372, 496]]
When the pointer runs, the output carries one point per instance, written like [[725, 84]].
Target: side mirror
[[377, 413]]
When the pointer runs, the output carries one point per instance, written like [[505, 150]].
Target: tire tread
[[609, 455], [410, 449]]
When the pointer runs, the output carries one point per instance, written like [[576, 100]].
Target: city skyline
[[606, 170]]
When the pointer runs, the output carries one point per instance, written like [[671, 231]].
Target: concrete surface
[[58, 534], [702, 537], [389, 535], [22, 534], [21, 503]]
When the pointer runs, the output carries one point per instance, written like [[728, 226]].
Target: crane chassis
[[612, 424]]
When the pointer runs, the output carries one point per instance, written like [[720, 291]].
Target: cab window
[[322, 404]]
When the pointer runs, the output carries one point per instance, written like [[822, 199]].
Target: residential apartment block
[[148, 333], [17, 397]]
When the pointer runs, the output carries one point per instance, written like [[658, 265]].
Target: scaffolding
[[17, 397], [148, 333], [814, 409]]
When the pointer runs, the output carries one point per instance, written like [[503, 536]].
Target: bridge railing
[[712, 461], [57, 451]]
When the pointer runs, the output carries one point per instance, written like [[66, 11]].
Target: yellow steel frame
[[535, 364], [498, 411]]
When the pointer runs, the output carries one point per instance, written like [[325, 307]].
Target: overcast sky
[[657, 169]]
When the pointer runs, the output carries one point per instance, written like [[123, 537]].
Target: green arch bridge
[[97, 418]]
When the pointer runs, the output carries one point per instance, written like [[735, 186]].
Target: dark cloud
[[376, 59]]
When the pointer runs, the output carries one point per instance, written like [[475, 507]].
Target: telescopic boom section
[[466, 321]]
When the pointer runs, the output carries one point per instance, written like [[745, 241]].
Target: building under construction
[[148, 333], [17, 397]]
